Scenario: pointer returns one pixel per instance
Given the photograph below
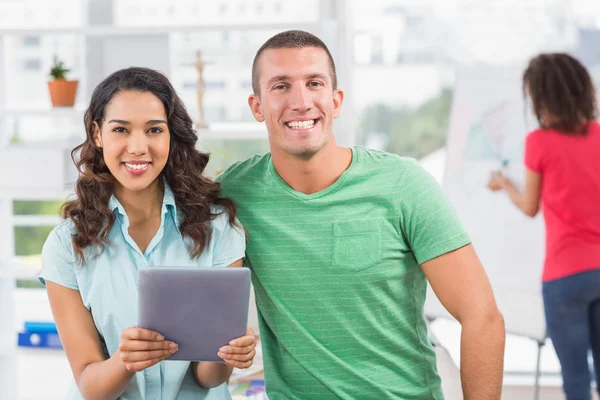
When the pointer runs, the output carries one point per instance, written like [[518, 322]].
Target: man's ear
[[254, 103], [338, 99], [97, 136]]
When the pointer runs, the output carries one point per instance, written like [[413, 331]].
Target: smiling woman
[[135, 140], [136, 118], [143, 192]]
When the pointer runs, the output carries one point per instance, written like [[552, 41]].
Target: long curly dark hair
[[194, 193], [561, 89]]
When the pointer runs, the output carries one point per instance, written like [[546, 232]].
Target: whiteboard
[[488, 126]]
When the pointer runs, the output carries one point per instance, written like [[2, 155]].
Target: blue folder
[[39, 334], [33, 326], [41, 340]]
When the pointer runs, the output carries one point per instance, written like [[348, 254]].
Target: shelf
[[111, 30], [233, 131], [35, 220], [19, 270], [214, 130], [35, 193], [71, 112]]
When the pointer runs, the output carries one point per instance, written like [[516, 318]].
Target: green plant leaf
[[58, 69]]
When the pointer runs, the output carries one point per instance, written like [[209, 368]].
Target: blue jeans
[[572, 307]]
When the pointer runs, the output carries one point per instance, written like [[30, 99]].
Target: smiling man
[[342, 242]]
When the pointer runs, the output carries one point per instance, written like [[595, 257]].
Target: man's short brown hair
[[290, 40]]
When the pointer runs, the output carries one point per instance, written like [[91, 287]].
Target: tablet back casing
[[200, 309]]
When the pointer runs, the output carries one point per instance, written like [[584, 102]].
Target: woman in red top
[[563, 171]]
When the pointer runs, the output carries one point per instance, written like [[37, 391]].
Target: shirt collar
[[168, 205], [115, 205]]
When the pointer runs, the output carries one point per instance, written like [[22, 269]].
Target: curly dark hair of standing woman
[[194, 193], [562, 93]]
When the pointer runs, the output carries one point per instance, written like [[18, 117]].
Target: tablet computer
[[200, 309]]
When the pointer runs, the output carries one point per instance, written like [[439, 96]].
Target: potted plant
[[62, 91]]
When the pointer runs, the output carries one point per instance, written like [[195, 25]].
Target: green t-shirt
[[339, 290]]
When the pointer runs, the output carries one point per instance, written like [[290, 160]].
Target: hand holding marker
[[498, 177]]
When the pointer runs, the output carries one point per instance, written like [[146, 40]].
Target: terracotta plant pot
[[63, 92]]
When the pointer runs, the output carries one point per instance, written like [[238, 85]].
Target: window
[[214, 85], [223, 153], [32, 64], [31, 207], [29, 238], [31, 41], [215, 113], [417, 46]]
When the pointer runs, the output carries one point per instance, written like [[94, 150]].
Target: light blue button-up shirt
[[108, 287]]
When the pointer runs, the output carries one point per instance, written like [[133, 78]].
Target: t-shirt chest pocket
[[356, 244]]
